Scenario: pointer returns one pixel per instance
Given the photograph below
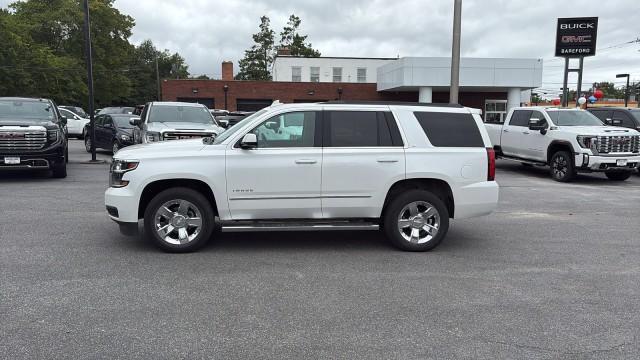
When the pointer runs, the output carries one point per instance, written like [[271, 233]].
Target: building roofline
[[335, 57]]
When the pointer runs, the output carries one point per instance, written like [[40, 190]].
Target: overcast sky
[[206, 32]]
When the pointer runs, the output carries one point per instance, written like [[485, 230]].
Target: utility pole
[[455, 52], [158, 76], [89, 59]]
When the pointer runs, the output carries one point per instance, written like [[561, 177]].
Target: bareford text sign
[[576, 37]]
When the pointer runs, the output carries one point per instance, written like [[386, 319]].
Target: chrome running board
[[250, 226]]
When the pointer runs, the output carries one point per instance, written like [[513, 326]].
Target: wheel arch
[[439, 187], [154, 187], [558, 145]]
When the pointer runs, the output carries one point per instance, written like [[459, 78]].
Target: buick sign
[[576, 37]]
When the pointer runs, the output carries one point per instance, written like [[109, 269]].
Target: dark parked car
[[233, 117], [113, 132], [116, 110], [32, 136], [618, 116]]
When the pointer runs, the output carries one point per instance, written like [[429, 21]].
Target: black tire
[[526, 165], [59, 171], [396, 209], [618, 175], [87, 143], [562, 168], [179, 194]]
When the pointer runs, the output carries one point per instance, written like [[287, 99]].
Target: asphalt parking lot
[[554, 273]]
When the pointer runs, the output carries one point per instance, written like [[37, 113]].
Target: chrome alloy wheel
[[178, 221], [419, 222], [560, 166]]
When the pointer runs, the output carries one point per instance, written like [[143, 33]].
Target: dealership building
[[491, 84]]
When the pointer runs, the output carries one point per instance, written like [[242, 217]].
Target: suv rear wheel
[[562, 168], [179, 220], [416, 220], [618, 175]]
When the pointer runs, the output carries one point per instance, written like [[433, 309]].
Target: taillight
[[491, 160]]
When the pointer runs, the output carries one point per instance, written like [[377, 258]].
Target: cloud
[[206, 32]]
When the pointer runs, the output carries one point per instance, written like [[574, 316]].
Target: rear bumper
[[591, 163], [476, 199]]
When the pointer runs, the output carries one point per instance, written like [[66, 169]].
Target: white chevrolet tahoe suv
[[568, 140], [326, 166]]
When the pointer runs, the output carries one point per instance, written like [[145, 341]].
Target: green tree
[[536, 99], [610, 91], [258, 59], [296, 43]]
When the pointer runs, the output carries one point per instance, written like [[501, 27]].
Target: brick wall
[[288, 92]]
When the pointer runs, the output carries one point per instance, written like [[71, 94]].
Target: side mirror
[[135, 121], [63, 120], [536, 124], [249, 141], [224, 123], [608, 121]]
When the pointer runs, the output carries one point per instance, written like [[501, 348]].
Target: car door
[[535, 143], [621, 118], [106, 132], [280, 179], [98, 120], [74, 124], [514, 133], [362, 157]]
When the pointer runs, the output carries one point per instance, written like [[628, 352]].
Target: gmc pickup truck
[[568, 141]]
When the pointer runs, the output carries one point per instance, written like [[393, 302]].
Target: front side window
[[337, 74], [540, 116], [362, 75], [636, 114], [356, 129], [194, 114], [520, 118], [315, 74], [68, 114], [295, 129], [573, 118], [623, 119], [296, 74]]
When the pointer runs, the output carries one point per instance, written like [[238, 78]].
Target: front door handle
[[306, 161], [385, 160], [526, 132], [505, 130]]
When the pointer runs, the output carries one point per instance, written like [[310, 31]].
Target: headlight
[[125, 137], [53, 135], [152, 136], [118, 169], [587, 141]]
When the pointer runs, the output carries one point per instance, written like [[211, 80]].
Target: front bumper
[[122, 204], [591, 163], [34, 160]]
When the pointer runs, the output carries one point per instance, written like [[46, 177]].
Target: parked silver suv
[[162, 121]]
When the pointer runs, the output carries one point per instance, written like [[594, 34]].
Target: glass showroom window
[[362, 75], [296, 74], [315, 74], [495, 111], [337, 74]]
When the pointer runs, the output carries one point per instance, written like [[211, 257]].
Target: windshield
[[192, 114], [225, 135], [116, 110], [123, 121], [17, 109], [574, 118]]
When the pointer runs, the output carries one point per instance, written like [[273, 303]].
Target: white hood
[[161, 149], [599, 130]]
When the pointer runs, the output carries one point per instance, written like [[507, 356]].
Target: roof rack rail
[[406, 103]]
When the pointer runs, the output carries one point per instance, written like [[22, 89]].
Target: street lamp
[[225, 88], [626, 89]]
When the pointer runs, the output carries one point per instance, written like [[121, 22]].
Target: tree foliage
[[42, 54], [257, 60]]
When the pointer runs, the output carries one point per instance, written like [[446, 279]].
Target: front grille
[[183, 135], [618, 144], [15, 139]]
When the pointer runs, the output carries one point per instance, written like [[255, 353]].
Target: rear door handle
[[386, 160], [306, 161]]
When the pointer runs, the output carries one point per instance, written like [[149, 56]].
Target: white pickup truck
[[568, 140]]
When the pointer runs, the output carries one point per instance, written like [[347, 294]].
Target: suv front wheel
[[562, 168], [179, 220], [416, 220]]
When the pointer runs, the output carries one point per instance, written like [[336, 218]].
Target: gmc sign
[[576, 37]]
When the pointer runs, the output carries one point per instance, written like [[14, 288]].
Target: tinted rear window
[[358, 129], [450, 129]]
